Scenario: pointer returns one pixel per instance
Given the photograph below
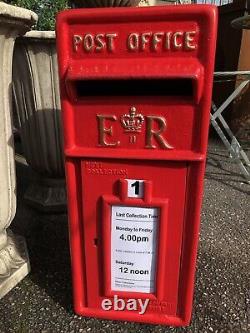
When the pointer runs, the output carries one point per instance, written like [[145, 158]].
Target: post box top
[[90, 39], [120, 67], [131, 14]]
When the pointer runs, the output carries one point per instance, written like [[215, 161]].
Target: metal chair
[[236, 152]]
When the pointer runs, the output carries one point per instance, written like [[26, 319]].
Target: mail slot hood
[[176, 77]]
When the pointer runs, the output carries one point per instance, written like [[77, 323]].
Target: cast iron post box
[[136, 89]]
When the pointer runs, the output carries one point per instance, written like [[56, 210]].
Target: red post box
[[136, 89]]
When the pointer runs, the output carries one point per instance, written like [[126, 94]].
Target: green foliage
[[46, 10]]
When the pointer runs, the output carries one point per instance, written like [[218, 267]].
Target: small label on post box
[[134, 248]]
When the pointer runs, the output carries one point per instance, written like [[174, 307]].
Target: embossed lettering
[[88, 42], [104, 131], [160, 41], [133, 42], [189, 40], [145, 38], [155, 128], [157, 38], [132, 139], [77, 40], [94, 43], [110, 41], [100, 43], [167, 40], [137, 42], [177, 39], [156, 134]]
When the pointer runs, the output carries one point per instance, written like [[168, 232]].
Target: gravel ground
[[42, 302]]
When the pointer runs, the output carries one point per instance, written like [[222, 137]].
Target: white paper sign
[[133, 248]]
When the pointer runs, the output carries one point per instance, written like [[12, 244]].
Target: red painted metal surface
[[136, 90]]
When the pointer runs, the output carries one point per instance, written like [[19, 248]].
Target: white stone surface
[[144, 3], [13, 21], [17, 15], [14, 263], [41, 36]]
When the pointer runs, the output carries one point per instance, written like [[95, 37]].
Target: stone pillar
[[37, 101], [14, 262]]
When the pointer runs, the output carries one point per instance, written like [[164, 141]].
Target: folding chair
[[233, 146]]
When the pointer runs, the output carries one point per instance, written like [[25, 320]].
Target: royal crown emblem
[[132, 122]]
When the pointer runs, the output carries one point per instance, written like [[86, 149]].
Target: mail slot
[[136, 92]]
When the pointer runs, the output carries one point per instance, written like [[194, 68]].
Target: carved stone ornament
[[37, 102], [14, 261]]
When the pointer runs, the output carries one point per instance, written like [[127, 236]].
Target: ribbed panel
[[7, 170], [36, 91]]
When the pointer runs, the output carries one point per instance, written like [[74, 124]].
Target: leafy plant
[[46, 10]]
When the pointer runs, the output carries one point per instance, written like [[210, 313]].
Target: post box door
[[100, 180]]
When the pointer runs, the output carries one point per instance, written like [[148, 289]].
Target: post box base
[[124, 316], [47, 195], [14, 263]]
